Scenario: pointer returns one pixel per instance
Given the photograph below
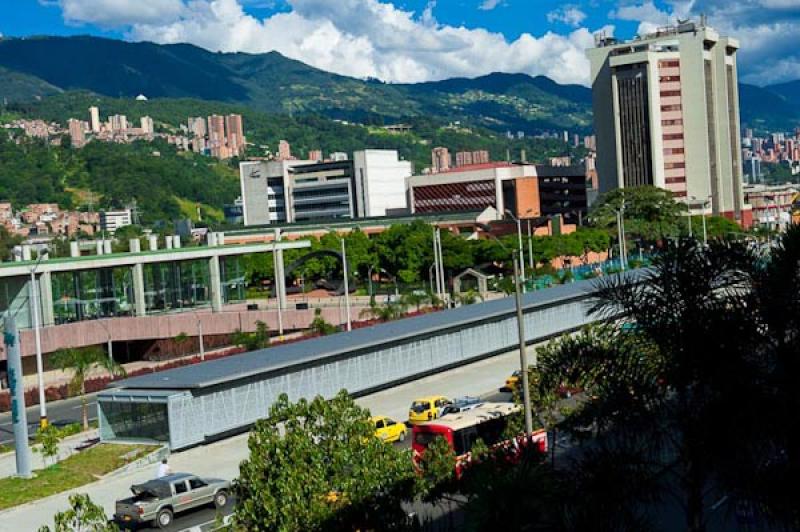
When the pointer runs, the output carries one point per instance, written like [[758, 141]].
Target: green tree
[[7, 243], [49, 437], [672, 377], [388, 311], [83, 516], [317, 465], [320, 326], [651, 214], [80, 362], [252, 341]]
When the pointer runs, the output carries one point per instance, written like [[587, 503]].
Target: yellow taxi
[[388, 429], [427, 408], [513, 382]]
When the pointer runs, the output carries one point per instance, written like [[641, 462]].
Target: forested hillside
[[154, 174]]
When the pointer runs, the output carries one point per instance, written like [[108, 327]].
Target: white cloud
[[572, 16], [362, 38], [488, 5], [114, 12]]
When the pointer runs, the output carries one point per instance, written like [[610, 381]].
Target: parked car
[[158, 500], [461, 404], [427, 408], [388, 429]]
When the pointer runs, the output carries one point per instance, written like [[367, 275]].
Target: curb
[[149, 459]]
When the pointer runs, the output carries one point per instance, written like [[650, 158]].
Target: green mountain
[[273, 83]]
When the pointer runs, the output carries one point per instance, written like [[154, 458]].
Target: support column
[[46, 298], [280, 274], [138, 290], [216, 283]]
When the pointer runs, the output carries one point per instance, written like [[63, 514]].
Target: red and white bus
[[486, 421]]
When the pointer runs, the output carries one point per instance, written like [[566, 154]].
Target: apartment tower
[[666, 113]]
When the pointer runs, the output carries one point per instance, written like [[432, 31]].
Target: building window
[[665, 94], [673, 136], [674, 107], [674, 122]]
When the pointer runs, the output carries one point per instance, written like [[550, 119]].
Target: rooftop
[[282, 358]]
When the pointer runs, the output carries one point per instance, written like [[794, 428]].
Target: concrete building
[[527, 190], [467, 158], [440, 160], [666, 113], [197, 126], [118, 123], [235, 134], [76, 133], [380, 182], [287, 191], [315, 155], [284, 151], [147, 125], [216, 137], [94, 119], [110, 221]]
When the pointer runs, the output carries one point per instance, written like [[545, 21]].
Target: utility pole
[[523, 355], [19, 416], [530, 249], [346, 286], [200, 338]]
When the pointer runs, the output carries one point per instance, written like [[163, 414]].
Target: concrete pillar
[[220, 239], [138, 290], [74, 249], [98, 244], [135, 245], [280, 275], [211, 238], [153, 239], [107, 247], [216, 284], [26, 252], [176, 241], [168, 241], [46, 297], [17, 253]]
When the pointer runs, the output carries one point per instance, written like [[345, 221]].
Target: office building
[[315, 155], [76, 133], [216, 137], [440, 160], [666, 113], [527, 190], [467, 158], [380, 182], [372, 184], [110, 221], [94, 119]]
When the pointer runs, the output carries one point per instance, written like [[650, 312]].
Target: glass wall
[[233, 281], [92, 294], [139, 421], [176, 285]]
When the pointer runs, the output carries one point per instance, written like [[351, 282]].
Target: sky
[[421, 40]]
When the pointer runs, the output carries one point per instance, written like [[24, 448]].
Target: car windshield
[[424, 438], [419, 406]]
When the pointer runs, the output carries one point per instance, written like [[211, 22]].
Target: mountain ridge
[[35, 67]]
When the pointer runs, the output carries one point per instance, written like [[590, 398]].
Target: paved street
[[59, 413], [221, 459]]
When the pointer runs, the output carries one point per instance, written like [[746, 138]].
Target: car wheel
[[220, 499], [402, 436], [164, 518]]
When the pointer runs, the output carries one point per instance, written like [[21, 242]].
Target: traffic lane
[[59, 413], [203, 518]]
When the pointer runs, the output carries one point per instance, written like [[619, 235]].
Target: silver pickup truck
[[158, 500]]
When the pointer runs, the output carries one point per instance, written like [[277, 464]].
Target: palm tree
[[671, 375], [80, 362]]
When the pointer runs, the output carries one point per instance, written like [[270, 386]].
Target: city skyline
[[469, 39]]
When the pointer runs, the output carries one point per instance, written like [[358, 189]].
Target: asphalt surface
[[199, 519], [59, 413]]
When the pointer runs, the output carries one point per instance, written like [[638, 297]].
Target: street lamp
[[108, 339], [523, 355], [346, 282], [521, 255], [34, 304], [623, 253], [703, 203]]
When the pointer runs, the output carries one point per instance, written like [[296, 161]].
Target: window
[[670, 93], [390, 422], [674, 107], [180, 487], [673, 136], [674, 122], [196, 483], [379, 424]]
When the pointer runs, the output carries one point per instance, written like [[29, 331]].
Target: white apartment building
[[110, 221], [666, 113], [380, 182]]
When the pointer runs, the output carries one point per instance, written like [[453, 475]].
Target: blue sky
[[416, 40]]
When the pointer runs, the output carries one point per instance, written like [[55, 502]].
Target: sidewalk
[[221, 459], [66, 448]]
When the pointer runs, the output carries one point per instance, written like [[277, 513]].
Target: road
[[58, 413], [200, 519]]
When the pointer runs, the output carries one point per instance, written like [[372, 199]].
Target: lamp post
[[521, 254], [623, 253], [200, 338], [346, 283], [109, 343], [523, 354], [34, 305], [530, 248]]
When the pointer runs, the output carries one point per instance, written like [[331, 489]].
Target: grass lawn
[[5, 448], [77, 470]]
